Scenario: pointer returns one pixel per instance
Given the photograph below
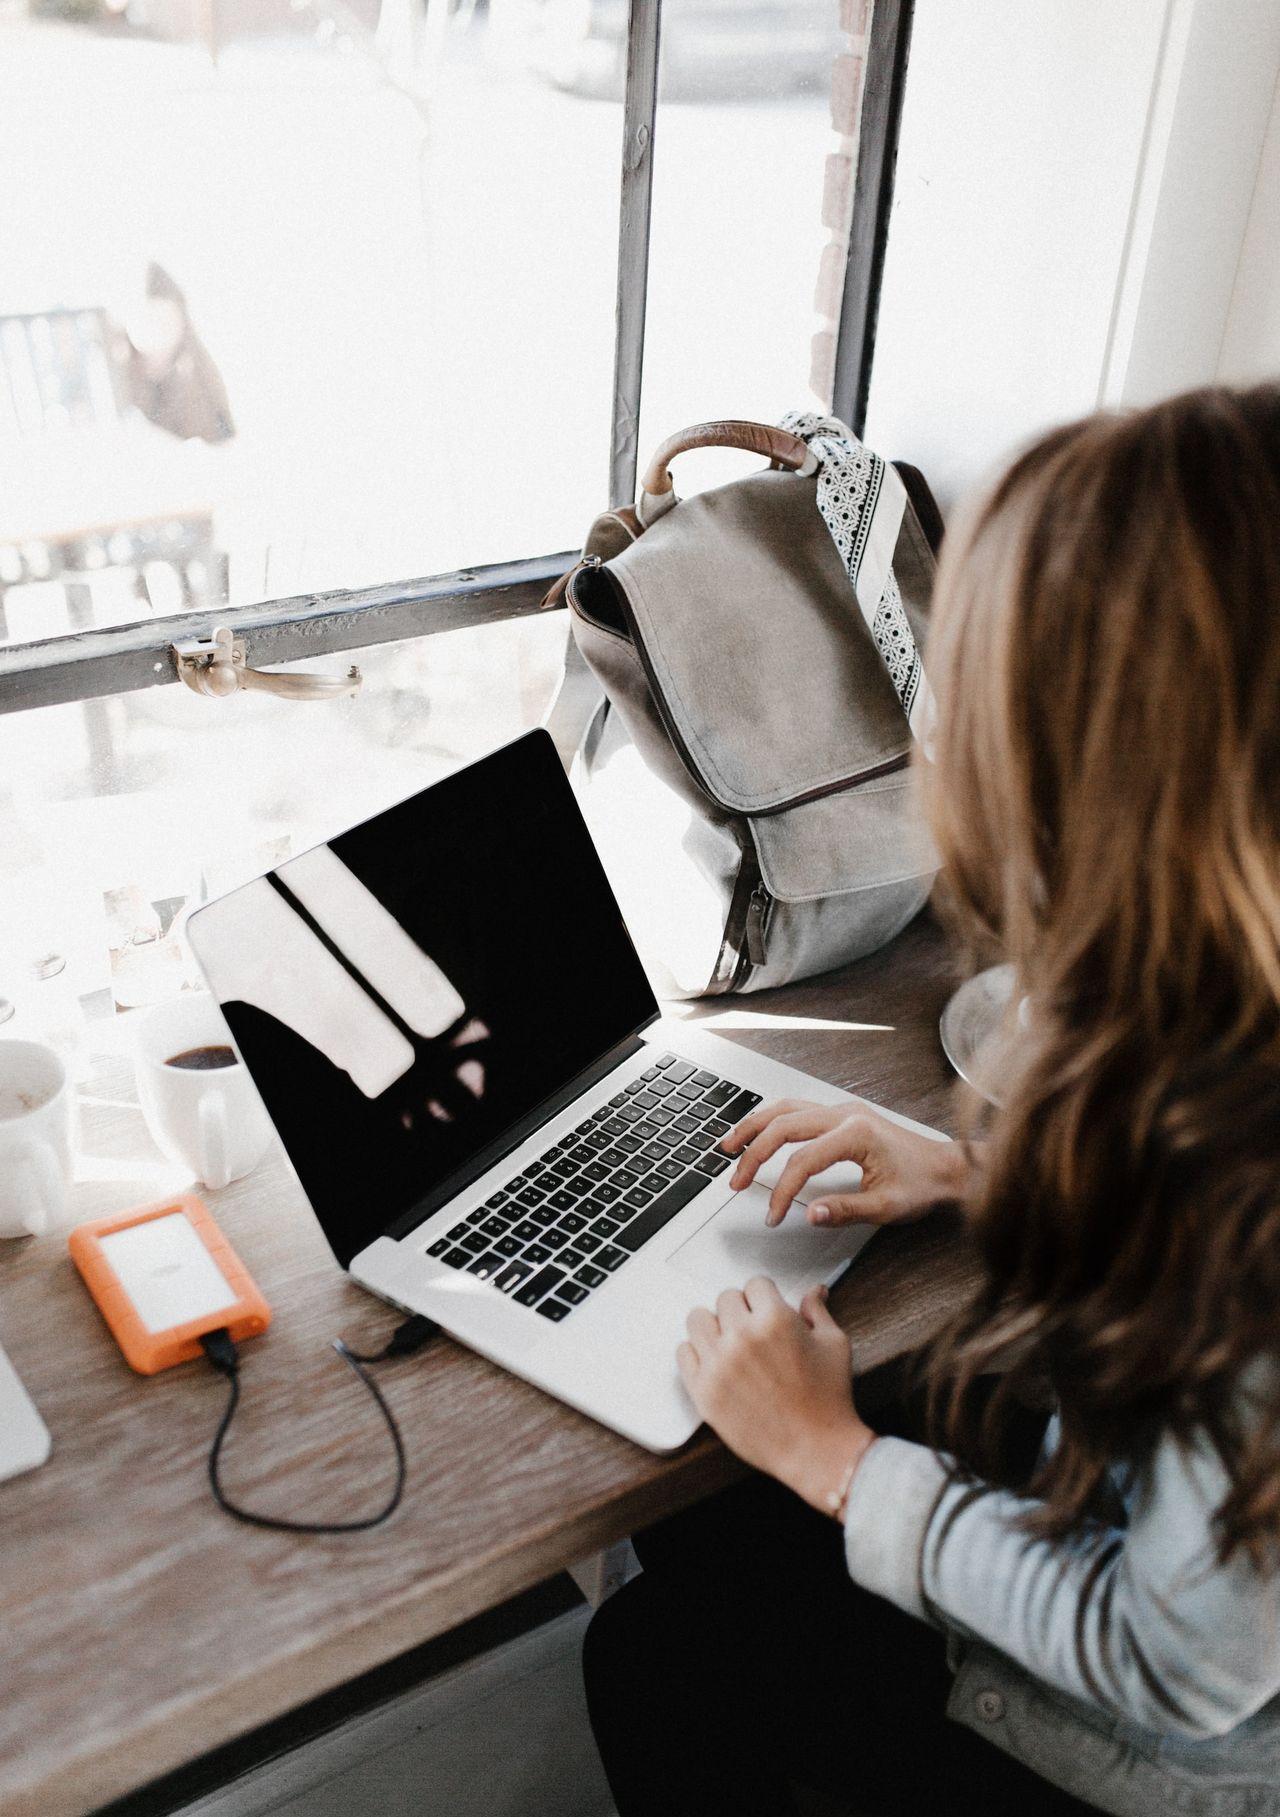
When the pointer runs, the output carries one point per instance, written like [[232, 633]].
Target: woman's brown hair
[[1105, 794]]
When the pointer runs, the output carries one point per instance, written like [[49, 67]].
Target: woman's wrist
[[825, 1465]]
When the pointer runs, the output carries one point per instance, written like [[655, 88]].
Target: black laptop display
[[537, 981]]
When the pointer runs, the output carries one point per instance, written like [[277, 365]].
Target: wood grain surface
[[140, 1627]]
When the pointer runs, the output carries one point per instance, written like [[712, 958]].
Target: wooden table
[[139, 1627]]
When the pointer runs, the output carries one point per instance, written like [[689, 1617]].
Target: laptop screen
[[407, 995]]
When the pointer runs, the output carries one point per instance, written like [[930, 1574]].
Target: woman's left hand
[[775, 1385]]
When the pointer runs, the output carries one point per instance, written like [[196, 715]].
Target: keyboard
[[558, 1230]]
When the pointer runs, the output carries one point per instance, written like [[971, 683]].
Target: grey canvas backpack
[[759, 647]]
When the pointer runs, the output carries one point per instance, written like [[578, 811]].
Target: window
[[304, 297]]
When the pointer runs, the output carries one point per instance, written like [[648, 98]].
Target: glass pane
[[295, 295], [753, 182], [117, 816]]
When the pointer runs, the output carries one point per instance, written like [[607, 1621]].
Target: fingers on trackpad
[[845, 1176]]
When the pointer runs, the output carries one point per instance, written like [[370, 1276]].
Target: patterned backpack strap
[[862, 500]]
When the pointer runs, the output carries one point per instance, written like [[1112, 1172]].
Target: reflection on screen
[[407, 993]]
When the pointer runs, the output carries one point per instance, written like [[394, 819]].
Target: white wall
[[1073, 188], [1251, 344]]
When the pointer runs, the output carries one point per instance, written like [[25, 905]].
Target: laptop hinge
[[511, 1138]]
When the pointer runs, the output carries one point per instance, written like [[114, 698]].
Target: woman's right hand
[[904, 1174]]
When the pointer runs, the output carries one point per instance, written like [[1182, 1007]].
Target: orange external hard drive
[[164, 1276]]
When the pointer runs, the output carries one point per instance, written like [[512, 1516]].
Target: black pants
[[745, 1661]]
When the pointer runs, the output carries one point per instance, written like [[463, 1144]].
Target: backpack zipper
[[757, 928]]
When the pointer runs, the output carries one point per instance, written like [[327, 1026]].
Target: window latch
[[220, 668]]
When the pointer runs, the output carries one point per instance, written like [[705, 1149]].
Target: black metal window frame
[[88, 665]]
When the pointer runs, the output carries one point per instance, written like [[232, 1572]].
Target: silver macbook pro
[[495, 1126]]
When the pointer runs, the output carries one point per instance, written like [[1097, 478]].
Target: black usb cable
[[221, 1351]]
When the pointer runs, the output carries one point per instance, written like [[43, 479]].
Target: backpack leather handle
[[778, 446]]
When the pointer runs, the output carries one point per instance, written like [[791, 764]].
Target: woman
[[1106, 801]]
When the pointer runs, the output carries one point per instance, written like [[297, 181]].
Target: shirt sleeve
[[1140, 1621]]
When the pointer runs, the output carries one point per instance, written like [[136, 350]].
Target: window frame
[[92, 664]]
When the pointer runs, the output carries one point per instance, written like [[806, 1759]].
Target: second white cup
[[200, 1104]]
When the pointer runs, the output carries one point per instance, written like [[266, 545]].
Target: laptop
[[494, 1124]]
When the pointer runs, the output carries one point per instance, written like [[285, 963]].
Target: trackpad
[[733, 1244]]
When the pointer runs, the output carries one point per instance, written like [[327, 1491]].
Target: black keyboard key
[[591, 1208], [660, 1087], [704, 1079], [530, 1196], [526, 1230], [512, 1275], [646, 1100], [583, 1129], [562, 1200], [737, 1108], [475, 1242], [716, 1129], [627, 1176], [557, 1175], [691, 1092], [721, 1093], [577, 1188], [595, 1141], [639, 1197], [495, 1226], [669, 1138], [702, 1139], [607, 1194], [537, 1252], [663, 1209], [646, 1130], [486, 1266], [587, 1242], [553, 1154], [711, 1164], [628, 1114], [651, 1074], [573, 1291], [595, 1172], [479, 1215], [611, 1258], [457, 1258], [555, 1310], [704, 1113], [628, 1144], [686, 1156], [620, 1098], [687, 1124], [439, 1246], [534, 1168], [580, 1155], [591, 1276], [614, 1128], [498, 1200], [653, 1151], [661, 1117], [517, 1180], [507, 1246], [544, 1215], [555, 1239], [571, 1258], [612, 1157], [654, 1182], [664, 1061], [604, 1227], [573, 1220], [542, 1282], [670, 1169], [458, 1232], [678, 1071]]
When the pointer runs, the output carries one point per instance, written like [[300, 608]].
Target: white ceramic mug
[[211, 1121], [36, 1114]]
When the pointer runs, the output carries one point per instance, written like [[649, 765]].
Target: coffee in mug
[[202, 1059]]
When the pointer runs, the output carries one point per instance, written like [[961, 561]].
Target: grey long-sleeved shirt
[[1126, 1664]]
